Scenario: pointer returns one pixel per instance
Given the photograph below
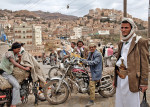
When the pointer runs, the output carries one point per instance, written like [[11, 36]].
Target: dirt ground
[[80, 100]]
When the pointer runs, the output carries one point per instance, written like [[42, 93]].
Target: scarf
[[132, 30]]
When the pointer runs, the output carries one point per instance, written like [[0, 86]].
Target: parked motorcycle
[[57, 90], [58, 71], [6, 94]]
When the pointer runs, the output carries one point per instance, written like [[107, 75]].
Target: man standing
[[53, 58], [73, 45], [81, 49], [94, 61], [131, 70]]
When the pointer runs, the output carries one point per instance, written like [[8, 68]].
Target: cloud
[[136, 8]]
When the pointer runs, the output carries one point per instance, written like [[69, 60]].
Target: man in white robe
[[133, 55]]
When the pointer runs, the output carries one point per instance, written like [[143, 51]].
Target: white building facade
[[37, 35]]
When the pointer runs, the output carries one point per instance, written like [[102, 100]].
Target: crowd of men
[[131, 68]]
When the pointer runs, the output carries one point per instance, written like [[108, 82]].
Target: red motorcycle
[[6, 94], [75, 78]]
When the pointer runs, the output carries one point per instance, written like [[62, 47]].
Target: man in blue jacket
[[94, 61]]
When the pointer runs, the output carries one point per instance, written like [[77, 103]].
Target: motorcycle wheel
[[55, 72], [50, 92], [107, 94], [110, 92]]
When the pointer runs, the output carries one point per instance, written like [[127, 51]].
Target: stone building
[[30, 35]]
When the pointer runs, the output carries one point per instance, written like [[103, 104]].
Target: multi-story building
[[37, 38], [31, 36], [77, 32], [80, 31], [23, 33]]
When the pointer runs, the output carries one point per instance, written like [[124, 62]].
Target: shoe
[[90, 103]]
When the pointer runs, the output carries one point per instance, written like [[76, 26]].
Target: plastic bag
[[144, 101]]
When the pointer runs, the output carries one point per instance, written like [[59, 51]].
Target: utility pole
[[125, 8]]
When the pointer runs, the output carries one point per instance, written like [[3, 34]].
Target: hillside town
[[53, 55], [38, 30]]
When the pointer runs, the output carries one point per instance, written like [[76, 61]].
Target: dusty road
[[79, 100]]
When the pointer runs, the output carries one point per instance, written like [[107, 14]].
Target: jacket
[[137, 61], [96, 65]]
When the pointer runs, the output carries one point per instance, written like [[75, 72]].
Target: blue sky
[[137, 8]]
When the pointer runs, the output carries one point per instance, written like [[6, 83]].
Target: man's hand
[[143, 88], [84, 61], [27, 68]]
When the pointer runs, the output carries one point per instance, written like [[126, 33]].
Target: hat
[[92, 45], [15, 46]]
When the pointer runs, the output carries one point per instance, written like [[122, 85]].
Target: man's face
[[125, 29], [80, 44], [92, 48], [72, 45], [17, 50]]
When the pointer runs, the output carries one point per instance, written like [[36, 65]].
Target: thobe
[[124, 97]]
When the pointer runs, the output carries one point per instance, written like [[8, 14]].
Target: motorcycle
[[57, 90], [58, 71], [6, 94]]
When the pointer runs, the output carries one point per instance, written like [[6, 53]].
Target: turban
[[133, 28]]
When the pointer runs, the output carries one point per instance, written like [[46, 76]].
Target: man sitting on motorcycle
[[6, 68], [94, 61]]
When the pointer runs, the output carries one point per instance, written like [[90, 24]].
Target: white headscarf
[[134, 27]]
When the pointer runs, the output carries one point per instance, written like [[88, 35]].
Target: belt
[[122, 73]]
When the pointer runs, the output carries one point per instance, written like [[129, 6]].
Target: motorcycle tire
[[108, 93], [55, 72], [52, 93]]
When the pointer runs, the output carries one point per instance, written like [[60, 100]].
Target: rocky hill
[[48, 15], [35, 14], [24, 13]]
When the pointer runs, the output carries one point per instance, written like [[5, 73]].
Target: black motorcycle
[[6, 95]]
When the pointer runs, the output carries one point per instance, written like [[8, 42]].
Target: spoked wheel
[[54, 97], [108, 91], [55, 72]]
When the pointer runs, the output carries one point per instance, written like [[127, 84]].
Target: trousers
[[92, 90], [16, 88]]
